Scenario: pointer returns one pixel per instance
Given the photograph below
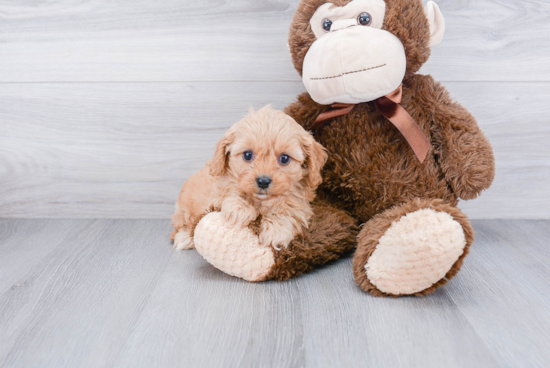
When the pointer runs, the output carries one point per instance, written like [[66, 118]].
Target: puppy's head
[[268, 155]]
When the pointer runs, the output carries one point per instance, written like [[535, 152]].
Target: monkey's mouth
[[353, 72]]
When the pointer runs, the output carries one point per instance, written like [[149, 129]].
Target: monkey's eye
[[284, 159], [248, 156], [327, 23], [364, 19]]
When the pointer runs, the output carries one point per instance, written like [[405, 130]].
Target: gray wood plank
[[124, 150], [377, 332], [114, 293], [75, 306], [533, 237], [482, 37], [115, 150], [242, 40], [504, 290], [317, 320], [23, 249], [200, 317]]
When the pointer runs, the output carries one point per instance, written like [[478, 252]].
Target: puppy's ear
[[316, 157], [218, 163]]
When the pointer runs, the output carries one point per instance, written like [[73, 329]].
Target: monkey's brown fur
[[372, 172], [330, 234]]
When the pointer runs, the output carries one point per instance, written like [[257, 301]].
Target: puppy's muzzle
[[263, 182]]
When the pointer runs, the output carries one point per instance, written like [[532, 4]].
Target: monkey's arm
[[463, 151], [305, 110]]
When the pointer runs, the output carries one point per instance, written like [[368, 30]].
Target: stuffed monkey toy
[[401, 152]]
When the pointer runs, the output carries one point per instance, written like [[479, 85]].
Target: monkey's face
[[353, 51], [353, 59]]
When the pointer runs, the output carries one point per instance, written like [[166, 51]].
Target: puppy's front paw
[[183, 240], [276, 234], [237, 212]]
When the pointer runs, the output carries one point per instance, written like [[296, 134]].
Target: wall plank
[[123, 150], [113, 150], [242, 40]]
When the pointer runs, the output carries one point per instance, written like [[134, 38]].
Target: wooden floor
[[103, 293]]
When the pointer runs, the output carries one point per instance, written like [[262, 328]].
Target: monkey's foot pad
[[235, 251], [416, 252]]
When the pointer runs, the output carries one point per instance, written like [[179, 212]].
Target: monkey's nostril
[[263, 182]]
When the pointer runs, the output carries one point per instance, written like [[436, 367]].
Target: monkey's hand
[[464, 153]]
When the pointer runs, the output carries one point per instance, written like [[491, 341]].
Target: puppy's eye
[[327, 23], [284, 159], [364, 19], [248, 156]]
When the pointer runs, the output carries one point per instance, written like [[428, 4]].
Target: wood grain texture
[[83, 296], [242, 40], [115, 150], [123, 150], [102, 293], [509, 266]]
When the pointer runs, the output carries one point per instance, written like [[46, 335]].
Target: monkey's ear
[[436, 21]]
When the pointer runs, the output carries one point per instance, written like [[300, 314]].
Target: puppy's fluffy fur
[[230, 182]]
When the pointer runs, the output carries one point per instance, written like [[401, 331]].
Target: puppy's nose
[[263, 182]]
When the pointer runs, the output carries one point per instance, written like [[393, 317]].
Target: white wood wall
[[107, 107]]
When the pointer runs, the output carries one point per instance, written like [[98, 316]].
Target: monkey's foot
[[235, 251], [411, 249], [238, 251]]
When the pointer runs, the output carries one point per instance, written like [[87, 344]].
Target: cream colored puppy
[[266, 164]]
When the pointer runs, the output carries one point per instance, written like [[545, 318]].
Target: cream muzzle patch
[[354, 65], [349, 62], [353, 59]]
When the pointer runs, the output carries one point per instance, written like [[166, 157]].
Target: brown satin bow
[[395, 113]]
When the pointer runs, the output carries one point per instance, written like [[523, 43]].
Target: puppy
[[266, 165]]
